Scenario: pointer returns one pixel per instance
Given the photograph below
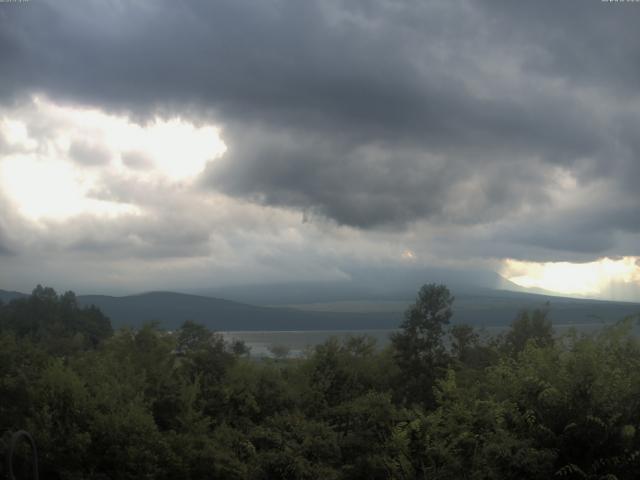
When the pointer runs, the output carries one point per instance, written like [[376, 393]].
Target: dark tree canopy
[[149, 403], [55, 320], [419, 349], [529, 327]]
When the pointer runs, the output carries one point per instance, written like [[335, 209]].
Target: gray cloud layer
[[86, 154], [512, 123]]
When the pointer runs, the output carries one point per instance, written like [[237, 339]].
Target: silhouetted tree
[[464, 340], [535, 326], [419, 349]]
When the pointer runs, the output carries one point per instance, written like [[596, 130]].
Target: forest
[[442, 401]]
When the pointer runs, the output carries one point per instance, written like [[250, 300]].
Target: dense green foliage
[[439, 403]]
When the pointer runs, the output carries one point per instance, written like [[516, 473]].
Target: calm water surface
[[299, 341]]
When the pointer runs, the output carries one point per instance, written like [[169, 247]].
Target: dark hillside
[[482, 307], [172, 309], [6, 296]]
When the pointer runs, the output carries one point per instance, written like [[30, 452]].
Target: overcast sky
[[183, 144]]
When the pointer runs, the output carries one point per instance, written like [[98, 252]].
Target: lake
[[301, 340]]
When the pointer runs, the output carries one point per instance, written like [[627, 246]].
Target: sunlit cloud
[[15, 134], [408, 254], [585, 279], [58, 156], [175, 147], [52, 189]]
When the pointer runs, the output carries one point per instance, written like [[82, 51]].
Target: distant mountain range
[[6, 296], [368, 284], [479, 307], [172, 309]]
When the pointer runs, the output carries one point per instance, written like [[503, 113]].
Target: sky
[[191, 144]]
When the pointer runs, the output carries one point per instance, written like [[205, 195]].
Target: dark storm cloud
[[369, 113], [581, 232], [588, 43], [391, 73], [568, 236], [373, 185], [354, 186]]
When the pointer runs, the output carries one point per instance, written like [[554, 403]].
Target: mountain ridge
[[482, 307]]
